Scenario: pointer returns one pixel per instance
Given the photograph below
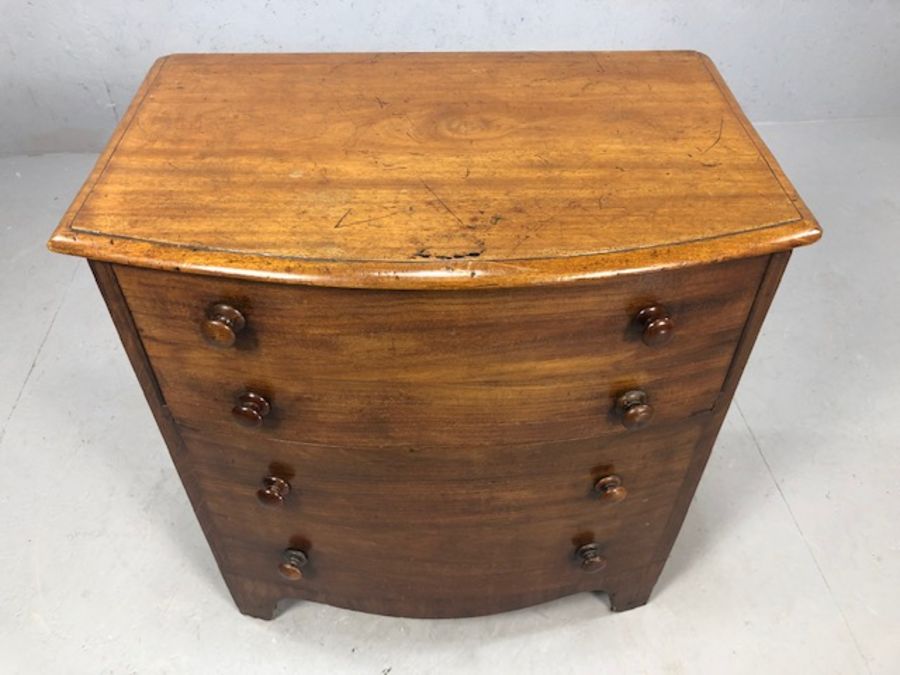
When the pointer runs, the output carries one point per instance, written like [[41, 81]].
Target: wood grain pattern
[[763, 300], [605, 230], [368, 368], [446, 532], [494, 493], [105, 276], [433, 170]]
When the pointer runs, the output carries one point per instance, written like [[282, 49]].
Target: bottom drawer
[[442, 531]]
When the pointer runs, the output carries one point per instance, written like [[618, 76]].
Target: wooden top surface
[[433, 170]]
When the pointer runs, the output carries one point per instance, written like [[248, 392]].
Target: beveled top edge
[[448, 275], [432, 274]]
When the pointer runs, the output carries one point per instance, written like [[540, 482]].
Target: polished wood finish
[[251, 409], [443, 519], [273, 492], [589, 558], [433, 170], [634, 408], [222, 325], [765, 294], [134, 348], [478, 317], [293, 560], [610, 488], [368, 367], [658, 327]]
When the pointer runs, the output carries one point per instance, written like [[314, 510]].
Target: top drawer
[[372, 368]]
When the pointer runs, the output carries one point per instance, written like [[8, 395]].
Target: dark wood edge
[[765, 293], [105, 276]]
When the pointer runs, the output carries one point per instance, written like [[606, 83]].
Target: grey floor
[[789, 561]]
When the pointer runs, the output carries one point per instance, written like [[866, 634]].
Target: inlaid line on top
[[403, 261]]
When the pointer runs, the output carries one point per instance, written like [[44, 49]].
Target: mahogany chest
[[437, 335]]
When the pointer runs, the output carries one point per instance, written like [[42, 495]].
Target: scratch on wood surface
[[442, 202], [410, 132], [341, 219], [718, 137], [530, 231], [341, 222]]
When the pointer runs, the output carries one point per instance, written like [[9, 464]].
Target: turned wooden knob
[[250, 410], [273, 491], [590, 559], [634, 409], [293, 560], [657, 324], [223, 323], [610, 488]]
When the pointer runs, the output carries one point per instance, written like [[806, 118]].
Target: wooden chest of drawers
[[437, 334]]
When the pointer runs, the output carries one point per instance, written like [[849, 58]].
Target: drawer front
[[456, 530], [371, 368]]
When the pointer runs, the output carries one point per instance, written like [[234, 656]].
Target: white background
[[69, 68]]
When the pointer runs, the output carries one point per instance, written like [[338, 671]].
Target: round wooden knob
[[250, 410], [657, 324], [293, 560], [223, 323], [590, 559], [634, 409], [610, 488], [273, 491]]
